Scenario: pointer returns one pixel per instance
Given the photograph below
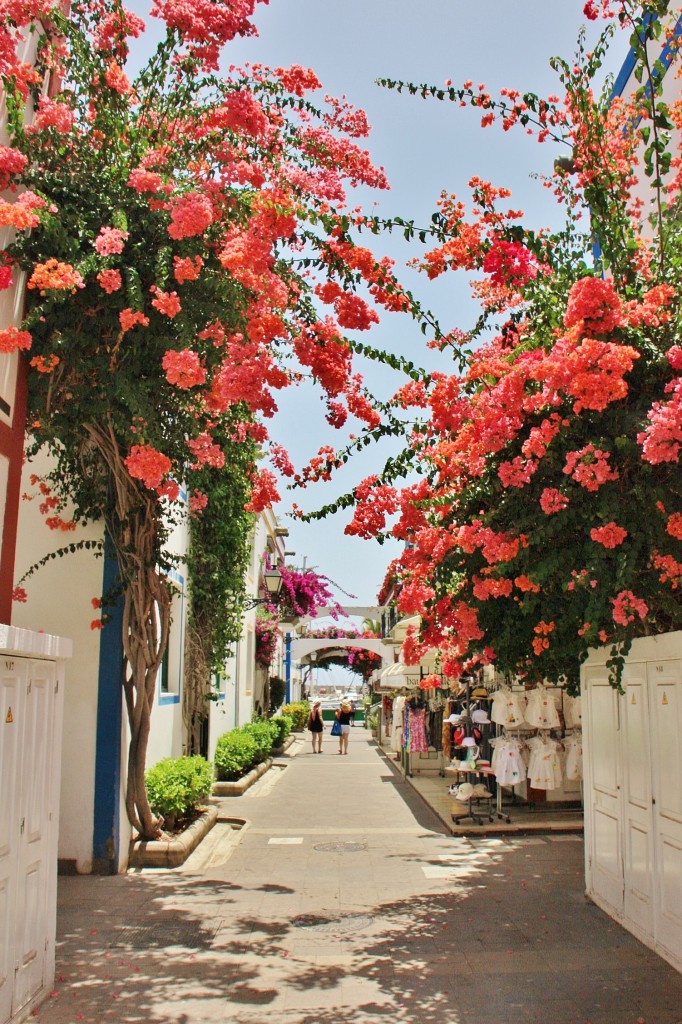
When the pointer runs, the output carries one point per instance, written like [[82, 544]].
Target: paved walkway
[[345, 901]]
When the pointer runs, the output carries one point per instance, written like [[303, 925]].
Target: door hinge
[[30, 684], [56, 686], [23, 825]]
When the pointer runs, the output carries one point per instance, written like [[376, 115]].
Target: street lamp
[[273, 585]]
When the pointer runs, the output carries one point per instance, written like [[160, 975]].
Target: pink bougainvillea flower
[[143, 180], [626, 605], [110, 241], [19, 595]]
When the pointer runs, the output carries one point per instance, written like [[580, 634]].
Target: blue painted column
[[287, 666], [106, 832]]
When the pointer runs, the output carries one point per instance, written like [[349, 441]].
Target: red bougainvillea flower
[[187, 268], [148, 465], [110, 281], [129, 318], [610, 535], [11, 338], [552, 501], [53, 275], [509, 263], [167, 303], [197, 502], [264, 492], [594, 305], [191, 214], [184, 369]]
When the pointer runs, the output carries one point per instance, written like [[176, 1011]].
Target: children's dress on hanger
[[541, 710]]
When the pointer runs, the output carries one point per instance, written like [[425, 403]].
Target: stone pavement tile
[[406, 949]]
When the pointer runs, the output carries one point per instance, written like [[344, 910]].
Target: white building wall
[[59, 602]]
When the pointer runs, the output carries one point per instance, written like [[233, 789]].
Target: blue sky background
[[425, 147]]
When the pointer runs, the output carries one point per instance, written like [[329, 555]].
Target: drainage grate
[[341, 924], [340, 847], [166, 933]]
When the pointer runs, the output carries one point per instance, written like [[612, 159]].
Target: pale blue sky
[[425, 147]]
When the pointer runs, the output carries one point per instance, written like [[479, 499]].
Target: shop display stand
[[467, 775]]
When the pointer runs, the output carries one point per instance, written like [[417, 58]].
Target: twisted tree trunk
[[135, 526]]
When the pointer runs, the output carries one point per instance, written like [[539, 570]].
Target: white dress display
[[573, 712], [507, 761], [574, 756], [544, 767], [507, 708], [541, 710]]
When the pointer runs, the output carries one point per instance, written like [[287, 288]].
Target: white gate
[[31, 701], [633, 791]]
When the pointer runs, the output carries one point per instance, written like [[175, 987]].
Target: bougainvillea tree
[[548, 518], [173, 228]]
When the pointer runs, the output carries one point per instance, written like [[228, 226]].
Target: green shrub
[[176, 785], [299, 711], [236, 752], [262, 733], [282, 728]]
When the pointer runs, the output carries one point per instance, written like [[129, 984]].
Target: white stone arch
[[304, 646]]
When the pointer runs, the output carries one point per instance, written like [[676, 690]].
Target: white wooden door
[[34, 881], [638, 842], [665, 701], [12, 700], [605, 869]]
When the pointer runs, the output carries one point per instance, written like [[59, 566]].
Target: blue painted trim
[[287, 666], [106, 833]]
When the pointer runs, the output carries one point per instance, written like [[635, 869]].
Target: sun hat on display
[[480, 715], [469, 741], [480, 693], [465, 791], [454, 719]]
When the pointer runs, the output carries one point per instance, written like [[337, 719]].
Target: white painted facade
[[31, 702], [633, 791]]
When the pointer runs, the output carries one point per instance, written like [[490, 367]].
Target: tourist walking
[[343, 717], [316, 726]]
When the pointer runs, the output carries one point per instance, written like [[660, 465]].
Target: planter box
[[240, 786], [279, 751], [170, 853]]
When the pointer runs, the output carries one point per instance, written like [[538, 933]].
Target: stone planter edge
[[241, 785], [170, 853]]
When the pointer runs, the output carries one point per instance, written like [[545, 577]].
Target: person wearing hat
[[316, 726], [343, 716]]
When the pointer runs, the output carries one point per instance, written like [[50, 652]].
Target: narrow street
[[341, 900]]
